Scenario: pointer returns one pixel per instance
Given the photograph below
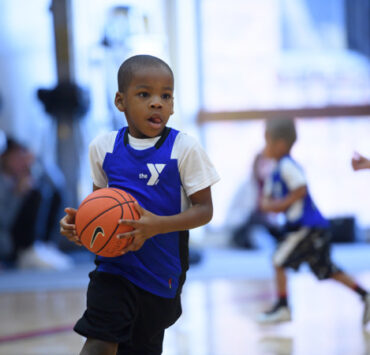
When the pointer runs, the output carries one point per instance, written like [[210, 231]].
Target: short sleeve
[[196, 169], [292, 174], [98, 148]]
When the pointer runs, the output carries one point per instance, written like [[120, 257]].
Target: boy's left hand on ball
[[143, 228]]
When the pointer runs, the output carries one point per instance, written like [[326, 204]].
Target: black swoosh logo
[[98, 230]]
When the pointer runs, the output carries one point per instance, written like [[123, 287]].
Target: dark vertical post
[[68, 128]]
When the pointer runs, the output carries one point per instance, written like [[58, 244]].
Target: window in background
[[279, 54]]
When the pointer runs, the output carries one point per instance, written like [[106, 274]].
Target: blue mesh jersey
[[153, 178], [288, 176]]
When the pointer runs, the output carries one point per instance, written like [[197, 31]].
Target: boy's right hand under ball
[[68, 227]]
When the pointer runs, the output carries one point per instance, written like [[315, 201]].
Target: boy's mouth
[[155, 119]]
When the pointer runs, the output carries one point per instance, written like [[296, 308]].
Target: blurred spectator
[[359, 162], [30, 203], [242, 234]]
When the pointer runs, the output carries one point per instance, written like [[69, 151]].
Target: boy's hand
[[68, 227], [145, 227], [359, 162], [267, 205], [278, 205], [270, 205]]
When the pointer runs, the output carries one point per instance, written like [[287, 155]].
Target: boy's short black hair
[[128, 68], [282, 128]]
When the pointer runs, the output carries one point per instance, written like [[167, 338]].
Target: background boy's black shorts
[[120, 312], [310, 245]]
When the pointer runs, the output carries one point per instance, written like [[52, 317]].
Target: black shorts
[[307, 245], [120, 312]]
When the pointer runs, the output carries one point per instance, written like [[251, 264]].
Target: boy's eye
[[166, 96], [143, 94]]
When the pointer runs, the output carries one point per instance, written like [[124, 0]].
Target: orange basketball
[[97, 220]]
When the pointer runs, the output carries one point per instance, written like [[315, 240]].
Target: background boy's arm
[[269, 204], [149, 224], [359, 162]]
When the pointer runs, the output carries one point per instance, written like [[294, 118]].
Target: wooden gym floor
[[221, 298]]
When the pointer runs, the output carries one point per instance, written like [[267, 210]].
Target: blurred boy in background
[[306, 237]]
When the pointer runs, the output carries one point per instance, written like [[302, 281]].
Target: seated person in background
[[359, 162], [241, 236], [306, 237], [29, 210]]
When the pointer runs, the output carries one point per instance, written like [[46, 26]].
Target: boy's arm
[[269, 204], [149, 224], [200, 213], [359, 162]]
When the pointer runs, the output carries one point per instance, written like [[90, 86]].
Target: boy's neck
[[282, 155], [146, 137]]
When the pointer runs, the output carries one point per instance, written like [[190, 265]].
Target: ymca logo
[[155, 170]]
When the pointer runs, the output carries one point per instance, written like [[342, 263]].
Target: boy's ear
[[119, 101]]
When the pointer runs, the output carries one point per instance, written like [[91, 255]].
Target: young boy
[[133, 298], [261, 168], [306, 232]]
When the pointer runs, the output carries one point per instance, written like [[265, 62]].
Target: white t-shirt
[[195, 168]]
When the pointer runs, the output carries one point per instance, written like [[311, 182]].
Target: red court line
[[35, 333]]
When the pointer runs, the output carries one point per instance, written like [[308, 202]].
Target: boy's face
[[275, 148], [147, 102]]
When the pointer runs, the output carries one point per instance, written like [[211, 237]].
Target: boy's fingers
[[70, 214], [126, 235], [74, 238], [133, 245], [138, 209], [128, 222], [130, 247], [67, 226], [125, 250]]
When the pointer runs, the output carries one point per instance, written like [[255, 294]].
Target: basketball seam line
[[132, 215], [119, 193], [104, 196]]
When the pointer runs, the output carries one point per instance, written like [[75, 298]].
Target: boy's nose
[[156, 103]]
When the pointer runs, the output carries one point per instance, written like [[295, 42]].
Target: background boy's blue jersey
[[153, 178], [309, 215]]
